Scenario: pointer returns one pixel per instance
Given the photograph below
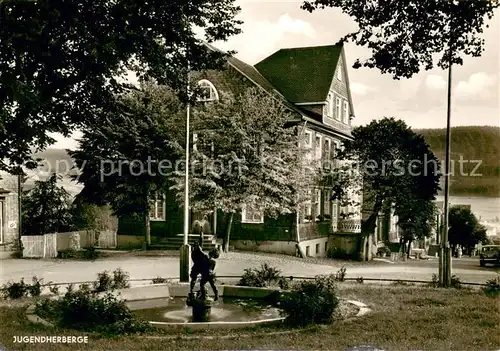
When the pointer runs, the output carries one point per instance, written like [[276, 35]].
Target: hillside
[[474, 146]]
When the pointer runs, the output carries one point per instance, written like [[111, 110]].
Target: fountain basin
[[238, 307]]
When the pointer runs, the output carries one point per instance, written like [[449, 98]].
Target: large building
[[313, 82]]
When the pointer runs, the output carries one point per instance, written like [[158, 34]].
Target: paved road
[[234, 263]]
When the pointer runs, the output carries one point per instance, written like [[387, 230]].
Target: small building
[[313, 82], [9, 214]]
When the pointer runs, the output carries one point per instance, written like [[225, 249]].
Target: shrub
[[311, 302], [260, 277], [17, 290], [86, 311], [67, 253], [160, 280], [54, 289], [35, 289], [360, 280], [492, 287], [456, 282], [106, 282], [435, 281], [120, 279], [90, 254]]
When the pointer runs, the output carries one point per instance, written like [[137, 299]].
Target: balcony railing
[[349, 226]]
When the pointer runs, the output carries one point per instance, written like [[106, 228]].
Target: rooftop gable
[[302, 74]]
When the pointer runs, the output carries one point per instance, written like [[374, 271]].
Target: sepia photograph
[[249, 175]]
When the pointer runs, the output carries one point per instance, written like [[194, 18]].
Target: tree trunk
[[368, 226], [409, 247], [228, 232]]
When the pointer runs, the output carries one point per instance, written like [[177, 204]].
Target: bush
[[35, 289], [54, 289], [492, 287], [86, 311], [106, 282], [455, 282], [67, 253], [311, 302], [160, 280], [17, 290], [90, 254], [260, 277]]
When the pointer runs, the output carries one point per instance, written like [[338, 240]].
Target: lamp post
[[185, 254], [445, 252]]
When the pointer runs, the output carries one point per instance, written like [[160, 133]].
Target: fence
[[47, 245]]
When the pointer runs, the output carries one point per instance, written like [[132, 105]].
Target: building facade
[[313, 83], [9, 214]]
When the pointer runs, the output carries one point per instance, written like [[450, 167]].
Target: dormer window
[[208, 91]]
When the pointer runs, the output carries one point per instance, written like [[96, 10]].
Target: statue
[[203, 265]]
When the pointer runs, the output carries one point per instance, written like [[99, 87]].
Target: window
[[157, 208], [317, 248], [346, 112], [329, 104], [327, 202], [327, 152], [317, 202], [308, 208], [318, 146], [326, 246], [308, 139], [339, 73], [250, 215], [208, 91], [338, 111], [307, 252]]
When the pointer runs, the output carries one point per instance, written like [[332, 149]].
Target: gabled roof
[[302, 74], [258, 79]]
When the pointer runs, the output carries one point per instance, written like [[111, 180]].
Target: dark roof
[[252, 74], [302, 74]]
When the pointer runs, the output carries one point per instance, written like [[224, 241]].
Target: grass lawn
[[403, 318]]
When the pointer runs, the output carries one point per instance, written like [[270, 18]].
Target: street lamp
[[185, 254], [445, 252]]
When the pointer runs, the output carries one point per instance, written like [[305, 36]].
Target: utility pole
[[445, 252]]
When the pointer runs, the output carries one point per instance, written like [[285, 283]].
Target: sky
[[420, 101]]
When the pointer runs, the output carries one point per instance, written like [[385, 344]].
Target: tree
[[62, 62], [128, 157], [46, 208], [465, 229], [247, 155], [387, 163], [416, 218], [405, 35]]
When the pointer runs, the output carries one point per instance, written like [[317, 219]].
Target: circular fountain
[[239, 307]]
